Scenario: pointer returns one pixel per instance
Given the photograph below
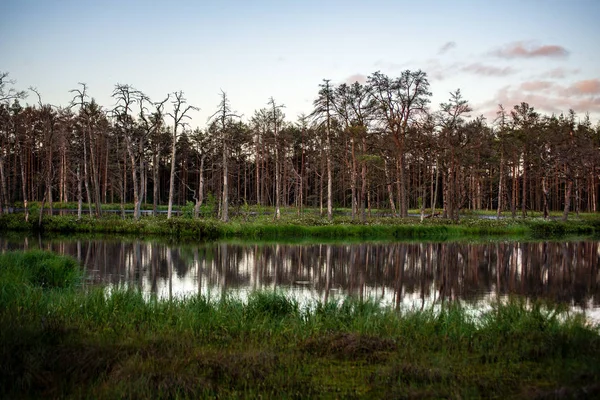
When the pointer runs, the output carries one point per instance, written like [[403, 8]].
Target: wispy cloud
[[447, 47], [529, 50], [559, 73], [487, 70], [584, 88], [536, 86]]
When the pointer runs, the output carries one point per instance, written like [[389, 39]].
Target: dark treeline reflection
[[397, 273]]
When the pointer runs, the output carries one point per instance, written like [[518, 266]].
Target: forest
[[374, 145]]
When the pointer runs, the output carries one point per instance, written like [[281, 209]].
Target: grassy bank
[[59, 340], [264, 227]]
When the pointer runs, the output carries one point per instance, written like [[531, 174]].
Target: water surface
[[398, 274]]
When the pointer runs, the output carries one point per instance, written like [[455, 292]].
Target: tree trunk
[[49, 183], [277, 178], [321, 183], [257, 163], [329, 177], [23, 183], [85, 174], [545, 196], [200, 198], [388, 184], [3, 193], [95, 176], [403, 200], [524, 187], [500, 185], [353, 179], [435, 191], [363, 189], [593, 190], [515, 191], [156, 183], [79, 194], [568, 189], [225, 198], [172, 175]]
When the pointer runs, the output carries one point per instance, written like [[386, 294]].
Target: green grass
[[61, 340], [263, 227]]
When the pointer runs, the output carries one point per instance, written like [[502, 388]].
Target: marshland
[[300, 307], [376, 246]]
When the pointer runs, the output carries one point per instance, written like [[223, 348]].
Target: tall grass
[[58, 339]]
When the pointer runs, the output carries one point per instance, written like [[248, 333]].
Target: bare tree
[[90, 114], [179, 115], [126, 96], [48, 118], [223, 118], [152, 125], [276, 117], [8, 94]]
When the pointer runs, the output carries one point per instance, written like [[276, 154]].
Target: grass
[[291, 226], [61, 340]]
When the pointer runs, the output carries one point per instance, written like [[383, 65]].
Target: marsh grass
[[61, 340], [263, 227]]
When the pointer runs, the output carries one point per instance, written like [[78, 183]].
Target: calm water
[[411, 274]]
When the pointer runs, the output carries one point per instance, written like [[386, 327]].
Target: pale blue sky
[[544, 52]]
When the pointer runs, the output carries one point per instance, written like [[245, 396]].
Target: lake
[[407, 274]]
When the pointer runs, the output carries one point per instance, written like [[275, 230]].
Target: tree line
[[363, 146]]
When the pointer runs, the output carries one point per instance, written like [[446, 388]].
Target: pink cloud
[[536, 86], [586, 87], [525, 50], [554, 99], [487, 70]]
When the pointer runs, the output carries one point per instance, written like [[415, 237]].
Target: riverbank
[[61, 340], [292, 226]]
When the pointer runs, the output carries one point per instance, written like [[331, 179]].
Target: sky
[[544, 52]]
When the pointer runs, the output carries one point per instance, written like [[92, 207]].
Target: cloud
[[528, 50], [586, 87], [487, 70], [559, 73], [447, 47], [536, 86], [360, 78], [582, 96]]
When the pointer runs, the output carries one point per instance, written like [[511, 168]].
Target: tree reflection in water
[[412, 274]]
